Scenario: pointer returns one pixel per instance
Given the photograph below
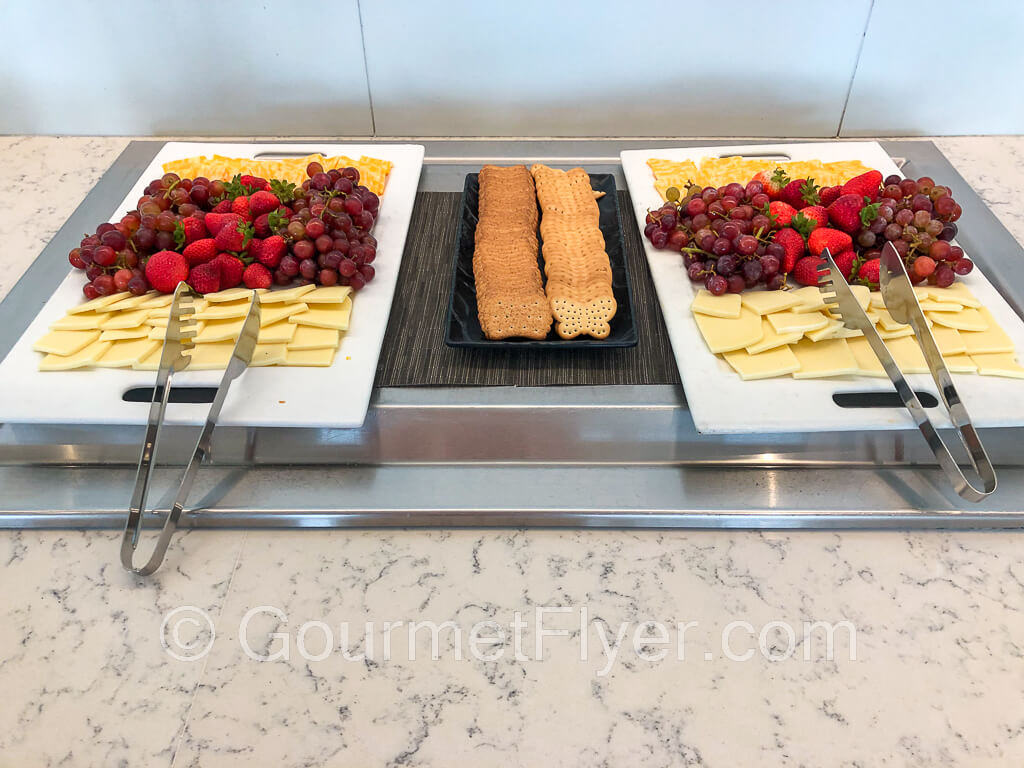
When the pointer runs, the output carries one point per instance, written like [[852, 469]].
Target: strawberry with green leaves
[[201, 251], [793, 245], [809, 219], [868, 273], [781, 213], [844, 213], [234, 236], [772, 181], [800, 193], [263, 202], [205, 278], [806, 271], [825, 237], [231, 270], [828, 195], [847, 263], [866, 185]]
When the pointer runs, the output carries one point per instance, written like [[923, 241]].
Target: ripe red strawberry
[[201, 251], [253, 182], [224, 206], [165, 269], [846, 261], [793, 244], [828, 195], [263, 202], [806, 271], [205, 278], [234, 236], [231, 270], [256, 276], [865, 185], [800, 193], [781, 213], [817, 213], [241, 207], [868, 273], [772, 181], [844, 213], [271, 251], [826, 237], [216, 221], [194, 229], [261, 225]]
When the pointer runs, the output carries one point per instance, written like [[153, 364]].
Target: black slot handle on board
[[877, 400], [178, 394]]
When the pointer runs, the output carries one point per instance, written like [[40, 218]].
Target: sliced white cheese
[[797, 322], [726, 305], [725, 334], [822, 359]]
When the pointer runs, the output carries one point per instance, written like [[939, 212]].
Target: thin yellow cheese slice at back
[[899, 333], [992, 340], [332, 316], [876, 301], [822, 359], [157, 300], [80, 359], [868, 363], [277, 312], [957, 292], [930, 305], [960, 364], [65, 342], [887, 323], [1002, 364], [907, 354], [280, 332], [132, 302], [770, 339], [232, 294], [120, 334], [269, 354], [311, 357], [311, 337], [726, 305], [776, 362], [220, 330], [85, 321], [286, 294], [328, 294], [725, 334], [100, 301], [127, 352], [810, 299], [968, 319], [791, 321], [828, 331], [766, 302], [949, 341], [224, 311], [131, 318]]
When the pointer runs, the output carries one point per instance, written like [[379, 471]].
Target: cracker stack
[[509, 291], [579, 275]]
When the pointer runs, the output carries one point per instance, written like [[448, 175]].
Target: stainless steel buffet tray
[[624, 455]]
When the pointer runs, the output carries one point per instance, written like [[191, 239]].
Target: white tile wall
[[610, 68], [187, 67], [940, 67]]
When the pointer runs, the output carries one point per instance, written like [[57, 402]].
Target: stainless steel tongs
[[178, 342], [901, 302]]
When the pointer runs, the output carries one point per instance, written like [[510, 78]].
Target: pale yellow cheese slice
[[220, 330], [150, 362], [224, 311], [949, 341], [875, 300], [127, 352], [157, 300], [957, 292], [968, 319], [311, 357], [868, 363], [333, 316], [899, 333], [791, 321], [98, 302], [332, 294], [84, 321], [821, 359], [1001, 364], [280, 332], [278, 312], [930, 305], [874, 315], [164, 311], [269, 354], [776, 362], [65, 342], [286, 294], [132, 302], [159, 332], [80, 359], [725, 334], [992, 340], [766, 302], [311, 337], [907, 354], [863, 295], [206, 357], [828, 331], [770, 339], [232, 294], [726, 305], [960, 364], [120, 334], [887, 323], [810, 299], [131, 318]]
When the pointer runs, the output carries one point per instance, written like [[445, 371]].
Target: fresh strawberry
[[828, 195], [868, 273], [793, 244], [224, 206], [844, 213], [188, 230], [201, 251], [865, 185], [231, 270], [772, 181], [800, 193], [826, 237], [216, 221], [234, 236], [270, 251], [256, 276], [165, 269], [781, 213], [817, 213], [253, 182], [846, 262], [205, 278], [261, 225], [263, 202], [240, 206], [806, 271]]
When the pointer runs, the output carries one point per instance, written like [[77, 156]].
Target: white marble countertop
[[935, 676]]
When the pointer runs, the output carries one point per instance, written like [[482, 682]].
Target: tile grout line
[[366, 68], [206, 659], [853, 75]]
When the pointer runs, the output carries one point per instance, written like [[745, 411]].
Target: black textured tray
[[463, 323]]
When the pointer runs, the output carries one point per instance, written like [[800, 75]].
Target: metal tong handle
[[241, 356]]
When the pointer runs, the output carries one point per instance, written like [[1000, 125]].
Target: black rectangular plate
[[464, 324]]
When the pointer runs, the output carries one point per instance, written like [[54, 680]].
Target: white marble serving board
[[721, 402], [336, 396]]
